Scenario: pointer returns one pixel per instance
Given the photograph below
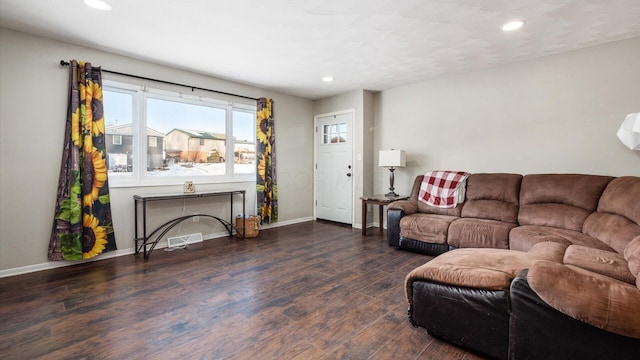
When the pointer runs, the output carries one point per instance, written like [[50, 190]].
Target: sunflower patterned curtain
[[266, 179], [82, 226]]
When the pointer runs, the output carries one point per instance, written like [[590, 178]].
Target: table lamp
[[392, 159]]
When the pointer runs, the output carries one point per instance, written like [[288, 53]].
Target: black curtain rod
[[66, 63]]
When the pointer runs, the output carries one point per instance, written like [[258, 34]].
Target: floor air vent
[[183, 240]]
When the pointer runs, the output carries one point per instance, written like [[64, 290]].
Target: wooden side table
[[381, 201]]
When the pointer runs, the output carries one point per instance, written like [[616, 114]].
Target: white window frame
[[253, 141], [153, 143], [139, 176], [117, 136]]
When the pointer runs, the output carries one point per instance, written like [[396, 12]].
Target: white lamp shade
[[392, 158], [629, 132]]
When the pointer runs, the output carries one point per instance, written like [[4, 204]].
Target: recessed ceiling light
[[327, 79], [512, 25], [98, 5]]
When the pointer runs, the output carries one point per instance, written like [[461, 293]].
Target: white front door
[[334, 168]]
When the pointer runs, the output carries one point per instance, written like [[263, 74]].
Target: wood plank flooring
[[315, 290]]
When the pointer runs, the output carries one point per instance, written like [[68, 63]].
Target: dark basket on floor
[[249, 226]]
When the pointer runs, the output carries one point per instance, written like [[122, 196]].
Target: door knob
[[349, 174]]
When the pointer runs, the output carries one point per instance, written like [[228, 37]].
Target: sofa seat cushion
[[592, 298], [429, 228], [488, 269], [608, 263], [523, 237], [479, 233]]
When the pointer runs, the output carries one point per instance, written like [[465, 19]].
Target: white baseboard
[[58, 264], [370, 225], [161, 244], [284, 223]]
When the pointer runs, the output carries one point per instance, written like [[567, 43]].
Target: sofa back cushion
[[622, 196], [617, 220], [493, 197], [427, 209], [559, 200]]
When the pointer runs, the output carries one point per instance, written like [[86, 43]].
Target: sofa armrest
[[595, 299], [393, 226], [408, 206], [538, 331], [395, 211]]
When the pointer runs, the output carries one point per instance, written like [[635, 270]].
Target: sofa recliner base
[[422, 247], [538, 331], [472, 318]]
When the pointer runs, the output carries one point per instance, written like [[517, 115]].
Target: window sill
[[121, 182]]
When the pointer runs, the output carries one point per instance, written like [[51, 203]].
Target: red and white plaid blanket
[[442, 188]]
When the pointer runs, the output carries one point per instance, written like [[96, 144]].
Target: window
[[119, 127], [244, 145], [169, 138], [334, 133]]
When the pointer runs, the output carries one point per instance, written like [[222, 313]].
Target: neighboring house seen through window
[[161, 137]]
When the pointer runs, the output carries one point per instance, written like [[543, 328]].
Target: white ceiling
[[288, 45]]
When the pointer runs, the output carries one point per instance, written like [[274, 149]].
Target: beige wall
[[368, 118], [554, 114], [33, 93]]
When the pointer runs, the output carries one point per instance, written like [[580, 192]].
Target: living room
[[555, 113]]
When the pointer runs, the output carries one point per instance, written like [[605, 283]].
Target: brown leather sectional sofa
[[542, 266]]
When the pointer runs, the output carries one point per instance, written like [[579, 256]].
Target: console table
[[381, 201], [144, 242]]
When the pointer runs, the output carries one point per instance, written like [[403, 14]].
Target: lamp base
[[391, 195]]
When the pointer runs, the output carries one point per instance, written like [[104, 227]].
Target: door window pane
[[335, 133], [342, 132]]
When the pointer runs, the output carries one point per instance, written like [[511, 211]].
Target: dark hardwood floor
[[315, 290]]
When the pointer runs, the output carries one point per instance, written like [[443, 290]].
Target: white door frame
[[354, 169]]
